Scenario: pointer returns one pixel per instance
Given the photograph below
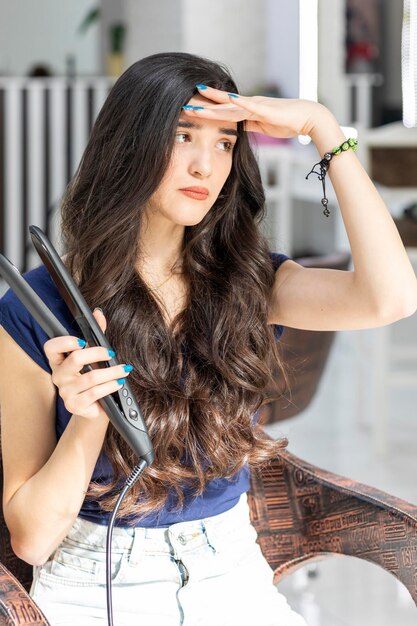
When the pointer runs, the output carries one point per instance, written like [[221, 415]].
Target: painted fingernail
[[111, 353], [128, 368], [233, 95], [201, 86], [198, 108], [187, 107], [81, 343], [121, 381]]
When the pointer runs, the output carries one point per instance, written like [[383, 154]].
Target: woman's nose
[[201, 164]]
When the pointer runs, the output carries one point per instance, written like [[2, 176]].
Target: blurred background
[[357, 414]]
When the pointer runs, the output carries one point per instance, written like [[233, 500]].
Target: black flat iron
[[121, 406]]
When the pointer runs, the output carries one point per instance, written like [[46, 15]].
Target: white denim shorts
[[208, 572]]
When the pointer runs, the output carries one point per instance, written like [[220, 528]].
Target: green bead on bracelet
[[349, 143]]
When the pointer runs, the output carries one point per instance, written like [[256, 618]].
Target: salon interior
[[353, 412]]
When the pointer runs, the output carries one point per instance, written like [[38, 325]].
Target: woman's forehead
[[198, 99]]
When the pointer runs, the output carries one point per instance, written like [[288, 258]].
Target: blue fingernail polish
[[81, 343], [111, 353], [201, 86], [121, 381], [198, 108], [128, 368], [187, 107], [233, 95]]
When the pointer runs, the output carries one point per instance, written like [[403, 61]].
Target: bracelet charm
[[324, 165]]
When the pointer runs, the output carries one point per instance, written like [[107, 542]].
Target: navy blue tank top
[[220, 494]]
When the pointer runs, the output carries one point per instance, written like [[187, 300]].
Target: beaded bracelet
[[324, 165]]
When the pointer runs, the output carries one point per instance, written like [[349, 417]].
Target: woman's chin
[[188, 218]]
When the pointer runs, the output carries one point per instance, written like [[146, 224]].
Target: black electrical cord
[[130, 481]]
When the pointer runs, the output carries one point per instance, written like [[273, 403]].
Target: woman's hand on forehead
[[276, 117], [211, 103]]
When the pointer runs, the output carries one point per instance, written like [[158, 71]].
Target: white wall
[[282, 46], [333, 92], [231, 32], [44, 31], [153, 26]]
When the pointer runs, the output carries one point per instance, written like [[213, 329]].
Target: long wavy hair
[[201, 423]]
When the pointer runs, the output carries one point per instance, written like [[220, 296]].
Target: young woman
[[161, 231]]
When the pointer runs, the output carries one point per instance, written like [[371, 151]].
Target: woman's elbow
[[397, 311], [410, 304], [27, 551], [408, 308]]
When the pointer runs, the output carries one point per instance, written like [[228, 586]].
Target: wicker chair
[[302, 513]]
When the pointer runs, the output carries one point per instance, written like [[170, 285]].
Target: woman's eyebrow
[[223, 131]]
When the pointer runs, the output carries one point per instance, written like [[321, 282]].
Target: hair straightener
[[121, 406]]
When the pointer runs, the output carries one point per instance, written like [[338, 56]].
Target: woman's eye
[[180, 135], [228, 145]]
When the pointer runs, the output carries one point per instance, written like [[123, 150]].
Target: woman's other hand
[[80, 392]]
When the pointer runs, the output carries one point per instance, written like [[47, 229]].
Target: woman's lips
[[197, 195]]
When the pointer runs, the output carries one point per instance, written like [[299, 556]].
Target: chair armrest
[[16, 606], [303, 513]]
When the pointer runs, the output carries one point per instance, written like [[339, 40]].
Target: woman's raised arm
[[383, 286]]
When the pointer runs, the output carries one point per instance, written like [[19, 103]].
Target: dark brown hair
[[201, 425]]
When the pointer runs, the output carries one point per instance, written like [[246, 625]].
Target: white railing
[[44, 128]]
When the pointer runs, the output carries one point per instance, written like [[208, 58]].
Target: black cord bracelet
[[324, 166]]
